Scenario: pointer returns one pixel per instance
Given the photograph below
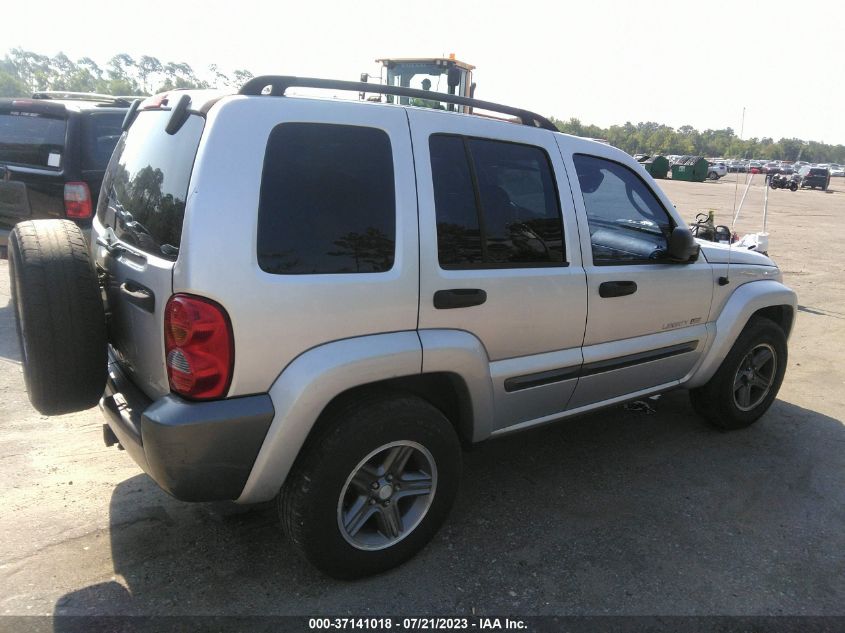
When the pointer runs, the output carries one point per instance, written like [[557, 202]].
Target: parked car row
[[778, 167]]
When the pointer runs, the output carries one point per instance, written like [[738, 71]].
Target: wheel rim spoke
[[761, 357], [760, 382], [397, 459], [390, 521], [358, 515], [363, 480], [413, 484], [745, 395]]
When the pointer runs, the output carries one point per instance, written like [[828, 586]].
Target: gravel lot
[[619, 512]]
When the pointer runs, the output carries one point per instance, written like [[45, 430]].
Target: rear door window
[[496, 204], [32, 139], [146, 185], [327, 200]]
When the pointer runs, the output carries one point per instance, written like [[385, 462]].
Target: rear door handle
[[138, 295], [617, 288], [459, 298]]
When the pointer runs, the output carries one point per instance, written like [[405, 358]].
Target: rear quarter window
[[327, 203], [32, 139], [146, 185]]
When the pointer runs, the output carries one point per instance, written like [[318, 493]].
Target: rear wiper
[[169, 250], [109, 242]]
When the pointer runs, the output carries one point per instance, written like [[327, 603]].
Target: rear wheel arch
[[445, 391]]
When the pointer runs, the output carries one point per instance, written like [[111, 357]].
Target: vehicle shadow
[[9, 347], [621, 512]]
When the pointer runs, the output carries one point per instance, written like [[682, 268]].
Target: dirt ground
[[618, 513]]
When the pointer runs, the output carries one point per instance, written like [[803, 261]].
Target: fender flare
[[742, 304], [308, 384], [461, 353]]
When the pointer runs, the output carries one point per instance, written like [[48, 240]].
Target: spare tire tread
[[55, 282]]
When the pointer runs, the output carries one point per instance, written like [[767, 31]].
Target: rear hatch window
[[32, 139], [818, 172], [146, 186]]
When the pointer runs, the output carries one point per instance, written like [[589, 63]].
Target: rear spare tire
[[59, 316]]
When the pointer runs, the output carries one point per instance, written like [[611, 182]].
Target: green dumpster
[[690, 168], [657, 166]]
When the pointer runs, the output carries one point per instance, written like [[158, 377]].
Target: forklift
[[436, 74]]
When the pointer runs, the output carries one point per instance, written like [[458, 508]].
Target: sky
[[604, 62]]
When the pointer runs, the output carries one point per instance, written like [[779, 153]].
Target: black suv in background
[[814, 177], [54, 148]]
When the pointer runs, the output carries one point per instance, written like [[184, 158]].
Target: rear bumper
[[195, 451]]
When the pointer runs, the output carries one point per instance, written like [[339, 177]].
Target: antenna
[[723, 281]]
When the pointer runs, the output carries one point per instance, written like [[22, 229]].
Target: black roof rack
[[82, 96], [279, 84]]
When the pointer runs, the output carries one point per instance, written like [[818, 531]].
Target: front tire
[[373, 486], [748, 380]]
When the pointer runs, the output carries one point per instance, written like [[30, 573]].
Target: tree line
[[23, 72], [656, 138]]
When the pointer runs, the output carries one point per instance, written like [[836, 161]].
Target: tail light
[[199, 347], [78, 201]]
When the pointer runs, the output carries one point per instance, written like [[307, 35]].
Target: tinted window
[[327, 200], [627, 222], [458, 235], [100, 133], [147, 183], [30, 138], [496, 204]]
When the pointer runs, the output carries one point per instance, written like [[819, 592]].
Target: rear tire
[[740, 392], [331, 478], [59, 316]]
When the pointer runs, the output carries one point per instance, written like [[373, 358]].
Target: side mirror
[[454, 76], [682, 245]]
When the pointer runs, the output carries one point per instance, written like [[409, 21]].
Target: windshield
[[32, 139]]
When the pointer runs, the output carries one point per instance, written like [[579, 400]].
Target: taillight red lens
[[199, 347], [78, 201]]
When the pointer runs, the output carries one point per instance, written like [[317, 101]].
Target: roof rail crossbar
[[279, 84], [80, 96]]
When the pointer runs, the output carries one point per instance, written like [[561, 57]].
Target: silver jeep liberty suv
[[320, 301]]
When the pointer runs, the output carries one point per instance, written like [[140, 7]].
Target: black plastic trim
[[195, 451], [621, 362], [517, 383], [617, 288], [204, 451], [179, 115], [459, 298], [131, 113], [526, 381], [280, 83]]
